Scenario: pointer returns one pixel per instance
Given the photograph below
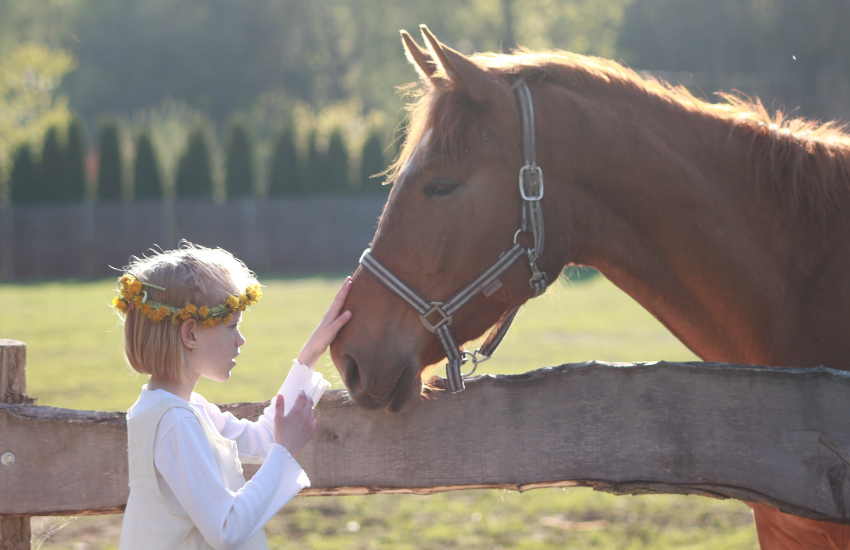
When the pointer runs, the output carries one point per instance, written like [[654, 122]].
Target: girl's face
[[216, 351]]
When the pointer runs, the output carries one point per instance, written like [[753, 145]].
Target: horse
[[723, 220]]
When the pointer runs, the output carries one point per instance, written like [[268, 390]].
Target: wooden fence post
[[15, 531]]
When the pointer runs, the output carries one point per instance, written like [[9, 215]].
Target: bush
[[194, 174], [75, 163], [147, 182], [24, 181], [372, 165], [315, 170], [52, 169], [109, 174], [239, 178], [336, 163], [285, 172]]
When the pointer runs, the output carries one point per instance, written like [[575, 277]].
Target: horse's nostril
[[351, 373]]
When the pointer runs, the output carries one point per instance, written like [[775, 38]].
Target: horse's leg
[[779, 531]]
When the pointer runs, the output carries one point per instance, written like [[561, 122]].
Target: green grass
[[75, 360]]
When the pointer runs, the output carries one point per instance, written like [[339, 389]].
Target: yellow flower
[[146, 309], [208, 323], [204, 311], [135, 287], [137, 301], [228, 319], [191, 308], [119, 304], [232, 302]]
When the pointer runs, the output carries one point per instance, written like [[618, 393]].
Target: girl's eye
[[440, 188]]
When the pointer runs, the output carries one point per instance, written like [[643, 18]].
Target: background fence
[[276, 235]]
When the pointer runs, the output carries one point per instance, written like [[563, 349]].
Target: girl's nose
[[240, 340]]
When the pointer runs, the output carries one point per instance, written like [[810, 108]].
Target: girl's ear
[[188, 329]]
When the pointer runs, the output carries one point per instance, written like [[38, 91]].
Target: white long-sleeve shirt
[[189, 478]]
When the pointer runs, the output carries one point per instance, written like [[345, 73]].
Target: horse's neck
[[665, 211]]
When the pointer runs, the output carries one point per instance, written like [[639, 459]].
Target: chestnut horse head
[[721, 220]]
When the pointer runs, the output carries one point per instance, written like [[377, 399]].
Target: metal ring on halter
[[518, 231], [473, 355]]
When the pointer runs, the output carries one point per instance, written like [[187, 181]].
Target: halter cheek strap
[[437, 316]]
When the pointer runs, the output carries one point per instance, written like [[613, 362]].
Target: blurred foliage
[[29, 104], [24, 182], [239, 178], [220, 56], [74, 184], [285, 172], [194, 172], [147, 183], [110, 171], [737, 35], [170, 66], [335, 162], [372, 164]]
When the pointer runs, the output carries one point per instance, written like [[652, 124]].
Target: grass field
[[75, 360]]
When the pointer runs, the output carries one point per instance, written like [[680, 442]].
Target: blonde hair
[[192, 273]]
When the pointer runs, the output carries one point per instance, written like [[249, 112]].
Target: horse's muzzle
[[393, 393]]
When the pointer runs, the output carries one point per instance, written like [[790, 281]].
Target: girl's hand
[[328, 328], [294, 430]]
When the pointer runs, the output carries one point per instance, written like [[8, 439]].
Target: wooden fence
[[770, 435]]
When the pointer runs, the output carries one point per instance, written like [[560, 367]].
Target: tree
[[372, 164], [29, 103], [284, 176], [23, 181], [75, 163], [239, 178], [194, 173], [52, 167], [336, 162], [315, 172], [109, 173], [147, 182]]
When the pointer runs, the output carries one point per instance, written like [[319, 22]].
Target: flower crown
[[134, 296]]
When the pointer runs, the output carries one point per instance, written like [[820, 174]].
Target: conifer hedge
[[109, 174], [336, 163], [52, 177], [147, 183], [285, 172], [74, 189], [239, 177], [194, 173], [23, 181], [314, 167], [372, 165]]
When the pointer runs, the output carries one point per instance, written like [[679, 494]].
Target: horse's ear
[[467, 76], [420, 58]]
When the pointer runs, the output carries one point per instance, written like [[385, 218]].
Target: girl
[[187, 491]]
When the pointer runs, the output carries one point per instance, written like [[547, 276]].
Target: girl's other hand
[[294, 430], [328, 327]]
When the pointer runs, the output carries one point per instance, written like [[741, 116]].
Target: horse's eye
[[440, 188]]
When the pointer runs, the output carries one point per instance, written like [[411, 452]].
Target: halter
[[437, 316]]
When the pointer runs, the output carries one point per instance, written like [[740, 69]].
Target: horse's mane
[[805, 164]]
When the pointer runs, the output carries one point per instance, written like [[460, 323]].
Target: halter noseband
[[437, 316]]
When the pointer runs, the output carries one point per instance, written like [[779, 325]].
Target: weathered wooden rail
[[769, 435]]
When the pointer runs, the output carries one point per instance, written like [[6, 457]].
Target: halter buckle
[[531, 182], [436, 307]]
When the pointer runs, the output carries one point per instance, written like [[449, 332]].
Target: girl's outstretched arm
[[329, 326]]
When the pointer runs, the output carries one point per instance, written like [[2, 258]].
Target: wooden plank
[[769, 435], [15, 531]]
